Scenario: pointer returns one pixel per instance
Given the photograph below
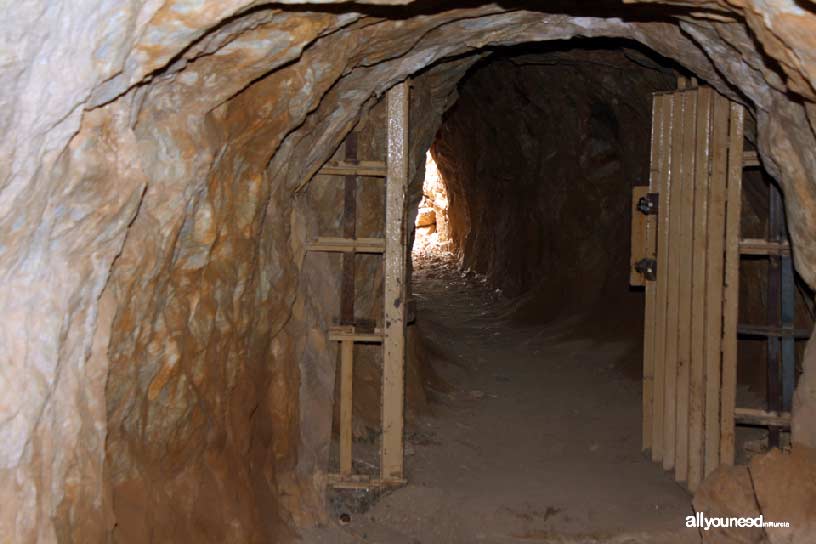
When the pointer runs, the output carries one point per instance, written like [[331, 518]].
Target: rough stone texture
[[728, 492], [151, 251], [785, 487], [432, 232], [779, 485], [540, 154]]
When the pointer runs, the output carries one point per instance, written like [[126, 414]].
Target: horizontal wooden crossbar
[[349, 332], [375, 169], [361, 481], [758, 246], [752, 416], [348, 245], [764, 330], [750, 159]]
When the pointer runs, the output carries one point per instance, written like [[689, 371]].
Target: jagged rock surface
[[540, 154], [158, 344]]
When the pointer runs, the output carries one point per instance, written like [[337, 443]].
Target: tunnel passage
[[164, 372], [539, 155]]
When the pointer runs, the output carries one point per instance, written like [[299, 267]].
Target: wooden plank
[[715, 261], [360, 168], [776, 233], [666, 104], [349, 245], [751, 416], [341, 240], [686, 261], [673, 283], [649, 250], [759, 246], [769, 330], [750, 159], [637, 248], [696, 404], [787, 310], [351, 333], [393, 388], [731, 290], [352, 481], [347, 291], [360, 481], [346, 379]]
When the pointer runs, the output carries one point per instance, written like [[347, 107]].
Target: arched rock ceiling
[[118, 110], [75, 57]]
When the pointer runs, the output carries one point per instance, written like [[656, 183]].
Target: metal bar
[[728, 389], [666, 105], [700, 242], [393, 388], [775, 235], [715, 261], [687, 220]]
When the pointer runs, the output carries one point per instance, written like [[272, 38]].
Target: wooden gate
[[391, 331], [685, 252]]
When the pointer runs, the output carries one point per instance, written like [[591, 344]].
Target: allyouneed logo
[[701, 521]]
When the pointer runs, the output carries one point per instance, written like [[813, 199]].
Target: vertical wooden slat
[[788, 348], [393, 388], [696, 404], [714, 279], [776, 229], [731, 291], [347, 299], [666, 105], [686, 259], [673, 282], [637, 247], [347, 294], [649, 286], [346, 380]]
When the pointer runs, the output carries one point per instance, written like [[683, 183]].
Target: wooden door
[[685, 238]]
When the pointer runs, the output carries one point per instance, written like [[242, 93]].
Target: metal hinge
[[649, 204], [647, 267]]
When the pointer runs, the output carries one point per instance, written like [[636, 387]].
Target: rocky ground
[[537, 439]]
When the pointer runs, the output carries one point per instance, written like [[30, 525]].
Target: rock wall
[[160, 360], [540, 154]]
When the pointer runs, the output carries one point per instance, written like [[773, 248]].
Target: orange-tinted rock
[[426, 217], [785, 487], [727, 492], [161, 346]]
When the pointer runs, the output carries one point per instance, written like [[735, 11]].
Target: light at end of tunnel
[[432, 234]]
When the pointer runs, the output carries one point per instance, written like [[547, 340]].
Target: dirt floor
[[538, 439]]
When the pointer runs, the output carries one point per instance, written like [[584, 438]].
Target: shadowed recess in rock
[[164, 369]]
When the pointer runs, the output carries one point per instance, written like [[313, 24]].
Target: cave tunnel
[[198, 219]]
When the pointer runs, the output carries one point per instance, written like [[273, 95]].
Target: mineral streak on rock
[[163, 368]]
